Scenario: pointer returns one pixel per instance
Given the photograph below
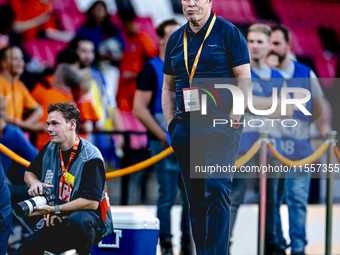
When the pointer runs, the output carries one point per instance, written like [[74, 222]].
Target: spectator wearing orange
[[88, 116], [22, 110], [56, 88], [139, 48], [32, 16]]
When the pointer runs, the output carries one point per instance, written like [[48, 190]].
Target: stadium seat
[[71, 22], [326, 68], [68, 6], [306, 43], [44, 50], [144, 24], [237, 11]]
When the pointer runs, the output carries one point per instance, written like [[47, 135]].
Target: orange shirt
[[25, 10], [87, 111], [45, 95], [18, 98], [138, 50]]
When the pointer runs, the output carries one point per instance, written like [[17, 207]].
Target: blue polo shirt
[[224, 49], [5, 197]]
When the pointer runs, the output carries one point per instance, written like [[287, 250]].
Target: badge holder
[[191, 97]]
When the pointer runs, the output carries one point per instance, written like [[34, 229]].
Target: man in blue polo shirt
[[295, 140], [212, 48], [5, 212]]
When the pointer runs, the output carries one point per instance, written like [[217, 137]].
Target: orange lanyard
[[64, 170], [185, 46]]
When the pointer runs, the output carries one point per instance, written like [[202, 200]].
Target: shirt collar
[[204, 28]]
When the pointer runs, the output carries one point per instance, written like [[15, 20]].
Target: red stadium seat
[[68, 6], [306, 43], [44, 50], [71, 22], [326, 68], [32, 49], [144, 24], [237, 11]]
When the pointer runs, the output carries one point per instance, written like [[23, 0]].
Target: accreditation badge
[[191, 99], [67, 186], [69, 178]]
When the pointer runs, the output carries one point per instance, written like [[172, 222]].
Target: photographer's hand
[[36, 186], [36, 189], [42, 210]]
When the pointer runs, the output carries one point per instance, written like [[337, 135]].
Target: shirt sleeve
[[150, 50], [29, 102], [237, 47], [36, 165], [36, 92], [167, 67], [26, 149], [93, 180], [87, 112], [315, 87], [146, 79]]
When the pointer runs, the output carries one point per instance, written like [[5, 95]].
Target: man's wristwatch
[[234, 123], [56, 209]]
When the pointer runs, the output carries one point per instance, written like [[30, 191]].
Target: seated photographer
[[81, 216]]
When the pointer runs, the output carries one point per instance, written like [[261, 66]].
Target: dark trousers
[[81, 231], [208, 193], [169, 180], [5, 231]]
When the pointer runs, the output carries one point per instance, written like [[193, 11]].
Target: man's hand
[[273, 61], [36, 189], [42, 210], [164, 140]]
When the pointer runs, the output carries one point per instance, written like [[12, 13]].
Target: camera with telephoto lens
[[26, 207]]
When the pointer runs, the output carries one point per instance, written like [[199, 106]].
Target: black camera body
[[26, 207]]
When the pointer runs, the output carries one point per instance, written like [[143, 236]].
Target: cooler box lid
[[134, 220]]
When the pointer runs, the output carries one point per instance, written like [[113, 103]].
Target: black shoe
[[186, 247], [166, 247], [272, 249], [230, 243]]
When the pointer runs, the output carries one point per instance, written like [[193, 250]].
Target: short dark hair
[[161, 28], [69, 74], [68, 56], [3, 51], [126, 15], [6, 18], [75, 42], [284, 30], [68, 110]]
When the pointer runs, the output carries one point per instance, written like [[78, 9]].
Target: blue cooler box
[[134, 234]]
